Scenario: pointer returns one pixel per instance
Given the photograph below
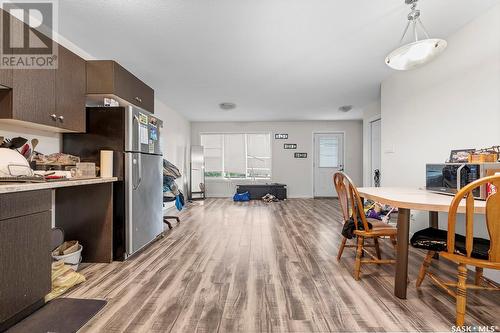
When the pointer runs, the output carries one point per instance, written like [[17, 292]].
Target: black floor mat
[[62, 315]]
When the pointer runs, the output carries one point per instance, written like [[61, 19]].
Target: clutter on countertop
[[13, 164], [482, 155], [106, 163], [56, 161], [84, 170], [14, 143]]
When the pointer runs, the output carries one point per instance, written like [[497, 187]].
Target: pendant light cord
[[414, 20]]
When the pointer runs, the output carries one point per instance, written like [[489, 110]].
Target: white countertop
[[21, 187]]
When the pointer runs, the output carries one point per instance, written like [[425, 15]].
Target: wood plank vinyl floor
[[257, 267]]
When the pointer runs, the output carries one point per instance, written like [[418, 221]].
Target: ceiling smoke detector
[[345, 108], [227, 106]]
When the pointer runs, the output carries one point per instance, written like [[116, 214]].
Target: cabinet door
[[70, 91], [130, 88], [6, 78], [25, 262], [33, 96]]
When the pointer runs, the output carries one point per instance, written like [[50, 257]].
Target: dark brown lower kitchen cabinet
[[70, 91], [25, 260]]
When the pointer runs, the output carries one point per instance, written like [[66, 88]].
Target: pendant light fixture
[[418, 52]]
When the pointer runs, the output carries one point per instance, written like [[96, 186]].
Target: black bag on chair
[[349, 227]]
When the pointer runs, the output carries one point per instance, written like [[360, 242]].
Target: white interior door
[[328, 159], [376, 149]]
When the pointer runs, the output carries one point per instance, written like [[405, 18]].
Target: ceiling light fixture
[[227, 106], [345, 108], [416, 53]]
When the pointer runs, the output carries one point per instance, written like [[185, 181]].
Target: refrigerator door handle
[[140, 170], [137, 161], [138, 132]]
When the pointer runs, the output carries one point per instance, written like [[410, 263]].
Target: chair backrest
[[492, 217], [339, 182], [349, 196]]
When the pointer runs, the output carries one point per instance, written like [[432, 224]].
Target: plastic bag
[[63, 278], [245, 196]]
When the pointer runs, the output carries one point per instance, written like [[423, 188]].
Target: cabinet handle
[[53, 116], [61, 118], [138, 99]]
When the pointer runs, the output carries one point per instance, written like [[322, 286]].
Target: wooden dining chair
[[465, 250], [352, 208]]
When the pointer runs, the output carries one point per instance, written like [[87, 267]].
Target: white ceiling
[[276, 59]]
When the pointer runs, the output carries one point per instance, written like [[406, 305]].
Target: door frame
[[371, 148], [313, 159], [367, 148]]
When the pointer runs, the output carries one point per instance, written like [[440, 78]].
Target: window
[[234, 156], [238, 155], [258, 156], [328, 152], [213, 145]]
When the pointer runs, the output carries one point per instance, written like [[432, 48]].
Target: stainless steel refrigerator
[[134, 136]]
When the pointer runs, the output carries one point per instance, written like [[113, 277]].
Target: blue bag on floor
[[245, 196]]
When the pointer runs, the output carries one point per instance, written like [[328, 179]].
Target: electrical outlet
[[391, 149]]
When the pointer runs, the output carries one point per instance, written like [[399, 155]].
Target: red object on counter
[[54, 177]]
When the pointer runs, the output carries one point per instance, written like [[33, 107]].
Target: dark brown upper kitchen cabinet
[[33, 96], [108, 78], [70, 91], [49, 97], [5, 78]]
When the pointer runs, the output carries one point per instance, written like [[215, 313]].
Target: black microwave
[[449, 178]]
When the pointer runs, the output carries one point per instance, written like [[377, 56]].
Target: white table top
[[22, 187], [416, 199]]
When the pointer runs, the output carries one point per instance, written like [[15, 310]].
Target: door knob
[[61, 118]]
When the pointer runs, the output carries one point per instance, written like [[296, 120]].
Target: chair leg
[[167, 223], [359, 252], [377, 247], [394, 243], [424, 267], [478, 276], [341, 249], [461, 294]]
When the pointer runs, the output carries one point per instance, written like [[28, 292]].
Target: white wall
[[371, 113], [451, 103], [297, 174], [176, 140]]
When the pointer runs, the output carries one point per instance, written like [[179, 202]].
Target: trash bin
[[70, 253]]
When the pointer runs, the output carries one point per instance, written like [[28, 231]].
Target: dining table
[[407, 199]]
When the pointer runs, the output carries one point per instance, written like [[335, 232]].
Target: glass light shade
[[412, 55]]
